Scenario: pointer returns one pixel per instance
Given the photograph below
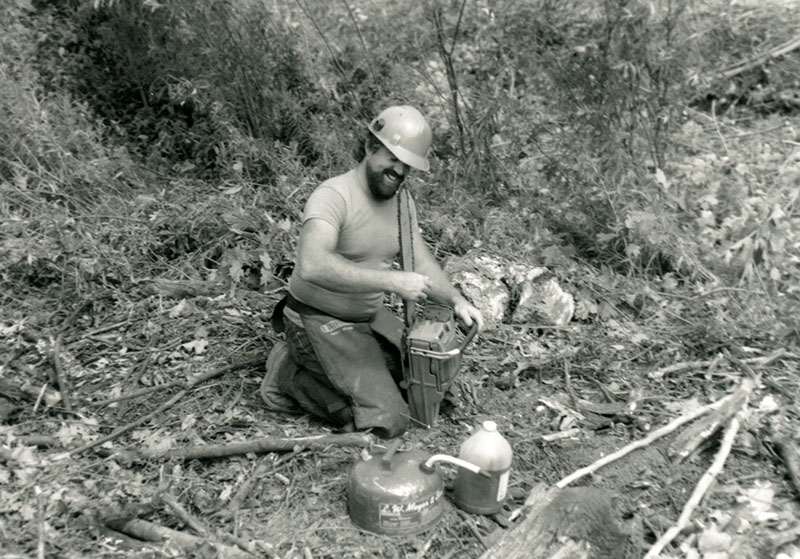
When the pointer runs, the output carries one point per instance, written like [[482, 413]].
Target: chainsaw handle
[[470, 335]]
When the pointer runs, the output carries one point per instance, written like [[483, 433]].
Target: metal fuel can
[[484, 493], [393, 493]]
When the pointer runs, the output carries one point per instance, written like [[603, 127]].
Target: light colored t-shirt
[[368, 237]]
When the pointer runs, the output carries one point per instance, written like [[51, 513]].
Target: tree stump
[[574, 523]]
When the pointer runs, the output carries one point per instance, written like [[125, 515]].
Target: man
[[334, 363]]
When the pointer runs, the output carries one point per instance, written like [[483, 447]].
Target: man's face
[[385, 173]]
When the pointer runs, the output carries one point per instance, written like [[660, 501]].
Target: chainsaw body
[[433, 348]]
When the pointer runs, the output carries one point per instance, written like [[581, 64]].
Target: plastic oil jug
[[490, 451]]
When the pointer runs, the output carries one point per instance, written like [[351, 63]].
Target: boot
[[279, 364]]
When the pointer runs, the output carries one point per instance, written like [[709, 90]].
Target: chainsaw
[[432, 343]]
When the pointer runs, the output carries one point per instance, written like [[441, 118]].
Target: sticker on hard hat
[[378, 124]]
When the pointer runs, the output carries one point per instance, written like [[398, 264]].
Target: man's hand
[[411, 286], [468, 314]]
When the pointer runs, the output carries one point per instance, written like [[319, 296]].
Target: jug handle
[[386, 460]]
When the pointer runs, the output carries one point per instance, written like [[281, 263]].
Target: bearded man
[[340, 360]]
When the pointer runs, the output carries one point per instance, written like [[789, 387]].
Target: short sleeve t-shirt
[[368, 237]]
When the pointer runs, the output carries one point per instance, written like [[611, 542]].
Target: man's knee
[[396, 426], [317, 397]]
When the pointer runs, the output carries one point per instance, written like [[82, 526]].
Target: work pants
[[346, 373]]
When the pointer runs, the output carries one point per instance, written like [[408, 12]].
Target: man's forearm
[[442, 291]]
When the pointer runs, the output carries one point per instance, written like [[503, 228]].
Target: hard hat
[[404, 132]]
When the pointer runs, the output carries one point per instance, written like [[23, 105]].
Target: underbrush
[[611, 170]]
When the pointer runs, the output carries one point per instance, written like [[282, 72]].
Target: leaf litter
[[295, 506]]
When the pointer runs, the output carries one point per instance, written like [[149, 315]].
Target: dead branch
[[186, 288], [758, 362], [245, 489], [688, 441], [130, 426], [561, 435], [40, 548], [702, 486], [140, 392], [791, 457], [29, 393], [150, 532], [677, 368], [61, 379], [166, 405], [183, 514], [657, 434], [36, 440], [593, 419], [259, 446], [612, 409], [261, 470], [760, 59], [98, 331], [195, 524], [473, 528], [561, 409]]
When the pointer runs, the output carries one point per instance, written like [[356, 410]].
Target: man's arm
[[441, 290], [319, 263]]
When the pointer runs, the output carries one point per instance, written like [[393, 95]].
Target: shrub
[[189, 82]]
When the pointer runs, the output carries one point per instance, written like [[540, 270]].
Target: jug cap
[[489, 426]]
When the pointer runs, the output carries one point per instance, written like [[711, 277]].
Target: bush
[[191, 83], [56, 168]]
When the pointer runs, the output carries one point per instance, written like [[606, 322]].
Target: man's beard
[[376, 181]]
